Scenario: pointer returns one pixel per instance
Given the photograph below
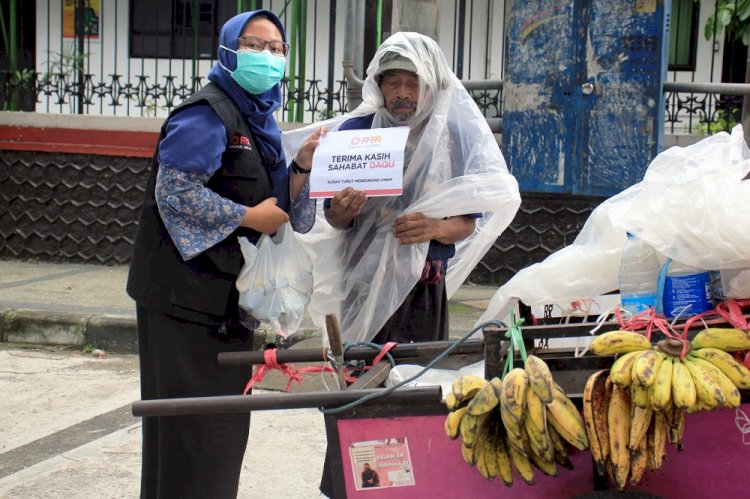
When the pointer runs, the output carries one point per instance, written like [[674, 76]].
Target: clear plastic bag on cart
[[276, 282], [693, 205], [442, 377]]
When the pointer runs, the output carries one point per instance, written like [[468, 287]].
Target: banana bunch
[[522, 421], [658, 377], [625, 439], [632, 410]]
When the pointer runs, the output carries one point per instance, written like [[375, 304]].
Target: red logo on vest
[[240, 142]]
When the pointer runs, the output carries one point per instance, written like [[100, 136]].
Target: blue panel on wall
[[583, 105]]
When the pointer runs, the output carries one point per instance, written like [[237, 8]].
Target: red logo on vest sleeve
[[240, 142]]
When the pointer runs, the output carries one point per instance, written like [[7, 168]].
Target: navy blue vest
[[200, 289]]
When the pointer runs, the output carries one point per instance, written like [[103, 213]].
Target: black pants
[[423, 316], [190, 456]]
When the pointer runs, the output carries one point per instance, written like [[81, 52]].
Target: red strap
[[292, 374], [386, 348], [731, 311]]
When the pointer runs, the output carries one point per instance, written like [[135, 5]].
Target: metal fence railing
[[119, 60]]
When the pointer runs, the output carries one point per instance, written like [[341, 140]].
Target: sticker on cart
[[381, 463]]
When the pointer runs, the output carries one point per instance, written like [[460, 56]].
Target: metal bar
[[273, 401], [708, 88], [669, 86], [355, 353], [460, 48], [482, 84]]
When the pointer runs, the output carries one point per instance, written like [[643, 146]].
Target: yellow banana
[[453, 423], [660, 392], [465, 387], [522, 444], [596, 394], [503, 461], [468, 454], [451, 402], [561, 450], [522, 465], [540, 377], [567, 421], [513, 393], [657, 440], [512, 427], [535, 424], [622, 369], [684, 394], [484, 401], [563, 460], [547, 467], [640, 419], [485, 460], [469, 428], [676, 423], [646, 367], [639, 395], [730, 391], [618, 421], [727, 339], [733, 369], [709, 392], [614, 342], [557, 441], [638, 461]]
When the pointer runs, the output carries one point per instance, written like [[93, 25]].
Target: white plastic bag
[[276, 282]]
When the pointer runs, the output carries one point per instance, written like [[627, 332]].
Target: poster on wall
[[381, 463], [90, 18]]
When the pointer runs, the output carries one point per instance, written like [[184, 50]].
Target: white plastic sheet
[[692, 206]]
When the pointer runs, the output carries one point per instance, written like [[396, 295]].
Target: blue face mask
[[257, 72]]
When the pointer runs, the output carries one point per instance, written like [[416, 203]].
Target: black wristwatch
[[297, 169]]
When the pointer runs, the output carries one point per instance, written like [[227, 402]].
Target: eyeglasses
[[277, 47]]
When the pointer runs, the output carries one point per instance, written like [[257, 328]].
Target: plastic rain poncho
[[453, 166]]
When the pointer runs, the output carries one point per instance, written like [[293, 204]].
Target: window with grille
[[683, 35], [177, 29]]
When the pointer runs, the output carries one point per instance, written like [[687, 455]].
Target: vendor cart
[[400, 433]]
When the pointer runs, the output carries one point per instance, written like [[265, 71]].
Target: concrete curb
[[111, 333]]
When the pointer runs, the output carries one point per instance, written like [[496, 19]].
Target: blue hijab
[[257, 109]]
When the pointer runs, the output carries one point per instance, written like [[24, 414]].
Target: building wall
[[108, 54]]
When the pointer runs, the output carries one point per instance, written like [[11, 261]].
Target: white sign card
[[370, 160]]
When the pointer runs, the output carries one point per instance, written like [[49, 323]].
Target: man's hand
[[415, 228], [306, 151], [265, 217], [345, 206]]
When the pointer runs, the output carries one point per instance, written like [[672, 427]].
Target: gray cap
[[394, 60]]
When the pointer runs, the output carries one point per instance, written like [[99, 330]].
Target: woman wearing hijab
[[219, 173]]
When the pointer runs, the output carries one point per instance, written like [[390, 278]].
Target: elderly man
[[423, 314], [380, 262], [388, 281]]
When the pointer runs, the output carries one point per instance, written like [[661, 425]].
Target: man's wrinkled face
[[400, 91]]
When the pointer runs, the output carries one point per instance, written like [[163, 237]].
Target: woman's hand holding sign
[[303, 161], [304, 157]]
